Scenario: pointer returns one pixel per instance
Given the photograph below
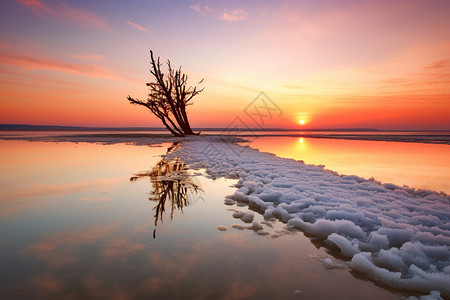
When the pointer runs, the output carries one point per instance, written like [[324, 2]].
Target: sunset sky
[[333, 64]]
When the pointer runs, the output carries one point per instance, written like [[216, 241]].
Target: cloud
[[234, 16], [195, 7], [121, 247], [63, 11], [395, 80], [436, 65], [96, 198], [64, 242], [45, 190], [136, 26], [17, 77], [30, 62], [201, 9], [293, 86], [38, 63], [220, 14], [87, 56], [36, 6], [240, 290]]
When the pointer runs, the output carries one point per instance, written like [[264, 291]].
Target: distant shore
[[434, 138], [27, 127], [410, 138]]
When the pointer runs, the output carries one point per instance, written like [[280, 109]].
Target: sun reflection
[[302, 145], [171, 182]]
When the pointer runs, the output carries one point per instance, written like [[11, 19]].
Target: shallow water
[[73, 225], [416, 165]]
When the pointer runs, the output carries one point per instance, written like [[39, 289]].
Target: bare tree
[[168, 97]]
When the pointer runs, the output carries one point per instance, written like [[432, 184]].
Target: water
[[417, 165], [73, 225]]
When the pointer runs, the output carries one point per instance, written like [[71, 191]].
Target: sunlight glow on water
[[416, 165]]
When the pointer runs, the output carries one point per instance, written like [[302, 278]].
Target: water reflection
[[58, 246], [417, 165], [171, 184]]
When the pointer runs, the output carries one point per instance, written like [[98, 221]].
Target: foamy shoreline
[[398, 236]]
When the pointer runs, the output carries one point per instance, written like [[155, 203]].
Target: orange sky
[[378, 64]]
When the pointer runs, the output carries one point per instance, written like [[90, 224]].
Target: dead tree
[[168, 97]]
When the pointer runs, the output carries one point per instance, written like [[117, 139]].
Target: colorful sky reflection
[[334, 64]]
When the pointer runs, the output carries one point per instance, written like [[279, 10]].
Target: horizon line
[[26, 127]]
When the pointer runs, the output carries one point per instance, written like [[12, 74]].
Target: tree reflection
[[172, 185]]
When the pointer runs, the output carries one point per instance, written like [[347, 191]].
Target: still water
[[109, 221], [416, 165]]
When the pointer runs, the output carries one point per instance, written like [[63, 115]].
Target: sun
[[302, 122]]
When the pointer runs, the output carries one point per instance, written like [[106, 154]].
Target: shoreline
[[442, 139]]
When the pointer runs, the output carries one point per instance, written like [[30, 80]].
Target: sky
[[330, 63]]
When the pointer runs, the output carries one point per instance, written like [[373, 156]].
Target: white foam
[[434, 295], [246, 217], [398, 236]]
